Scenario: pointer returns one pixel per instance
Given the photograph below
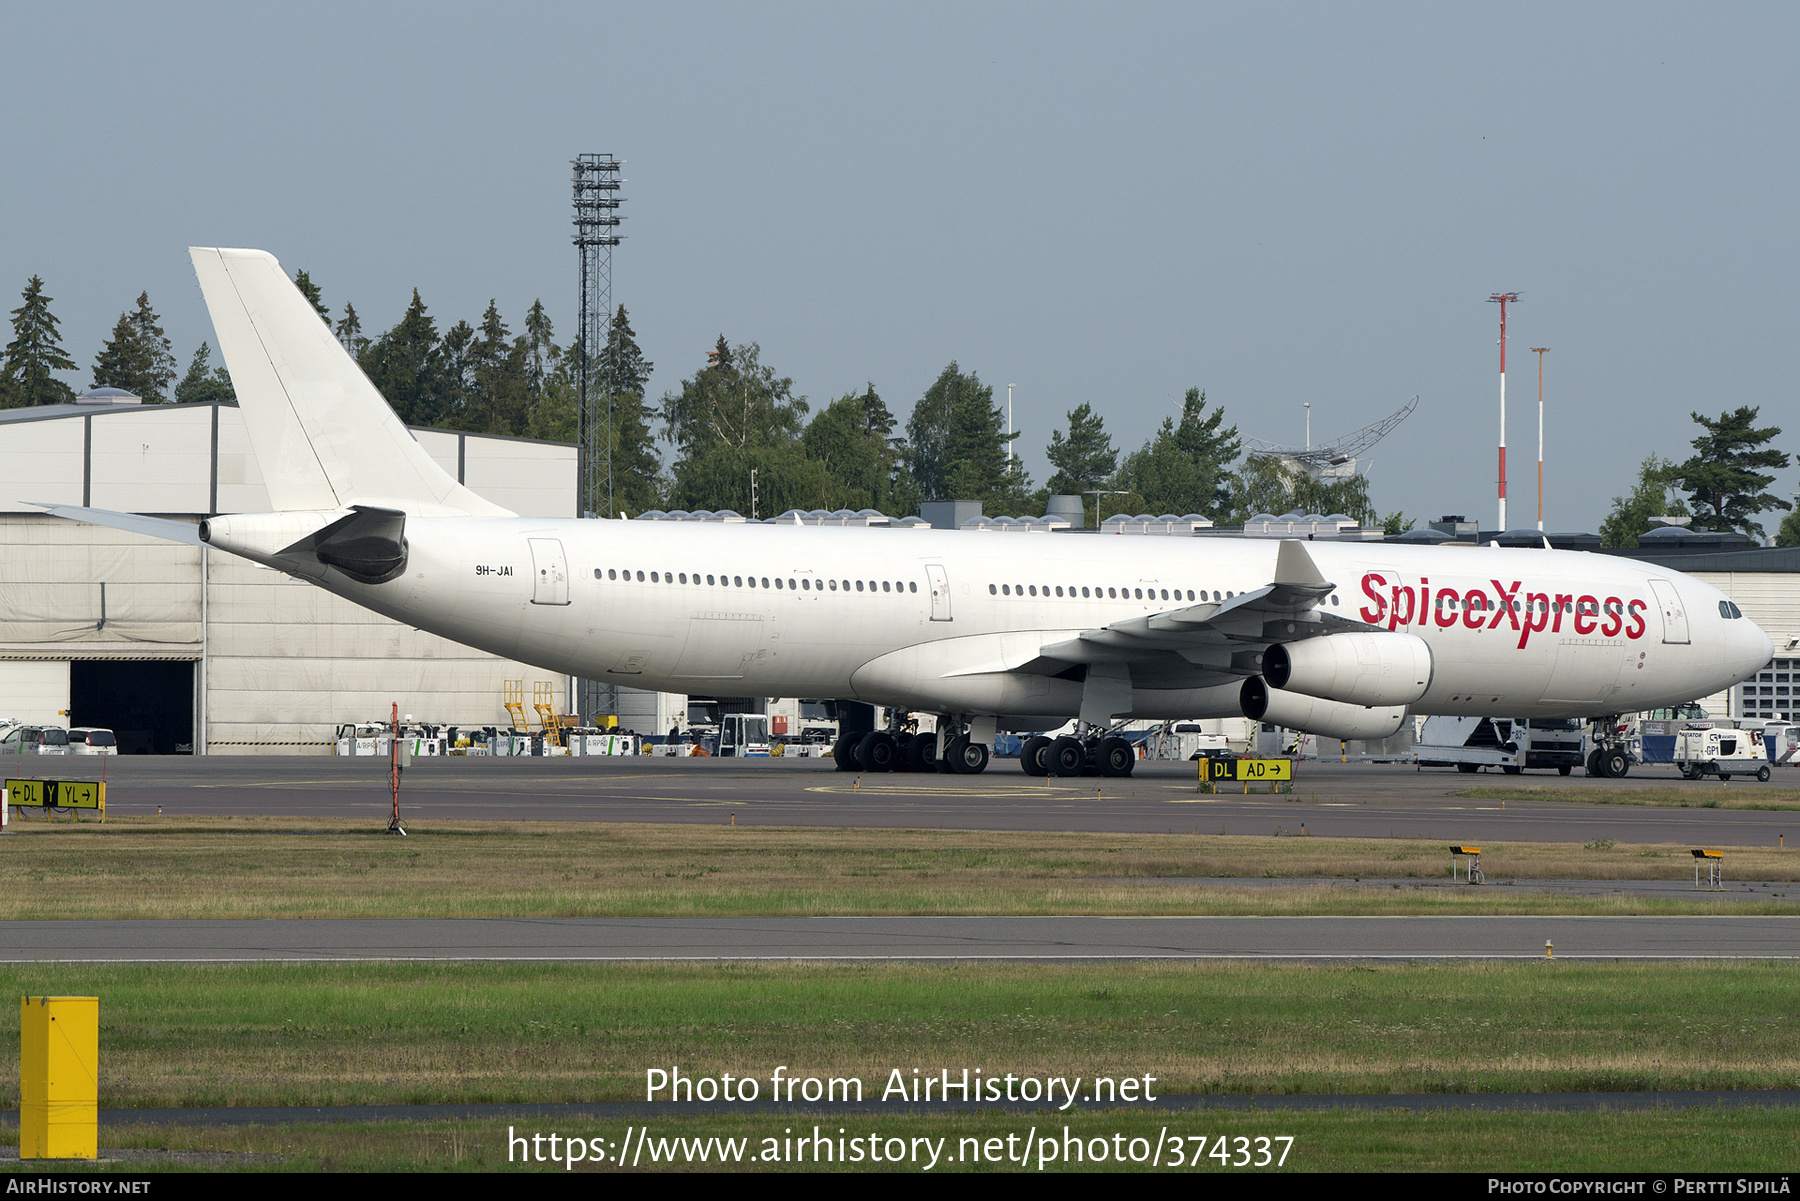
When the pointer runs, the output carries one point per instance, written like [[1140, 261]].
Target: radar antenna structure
[[1331, 460]]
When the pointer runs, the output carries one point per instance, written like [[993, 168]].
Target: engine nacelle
[[1355, 668], [1328, 719]]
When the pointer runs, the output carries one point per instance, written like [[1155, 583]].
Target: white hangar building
[[178, 647]]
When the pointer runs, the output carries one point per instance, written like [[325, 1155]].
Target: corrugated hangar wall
[[101, 627]]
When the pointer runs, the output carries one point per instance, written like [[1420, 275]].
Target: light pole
[[1539, 352], [1097, 493], [1307, 405], [1009, 426]]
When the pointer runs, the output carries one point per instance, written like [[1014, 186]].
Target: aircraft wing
[[1211, 642]]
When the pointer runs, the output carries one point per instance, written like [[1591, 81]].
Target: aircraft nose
[[1754, 648]]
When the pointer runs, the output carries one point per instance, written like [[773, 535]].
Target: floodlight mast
[[1539, 351], [1503, 299]]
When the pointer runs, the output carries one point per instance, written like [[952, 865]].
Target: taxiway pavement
[[1329, 799]]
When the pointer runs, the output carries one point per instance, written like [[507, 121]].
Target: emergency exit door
[[550, 572], [940, 592]]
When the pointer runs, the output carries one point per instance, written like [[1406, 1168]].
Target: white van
[[92, 740]]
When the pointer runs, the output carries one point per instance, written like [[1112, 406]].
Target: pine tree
[[975, 462], [541, 349], [405, 365], [1186, 467], [499, 390], [310, 290], [349, 331], [623, 372], [1086, 458], [623, 366], [34, 353], [203, 384], [1725, 476], [949, 455], [137, 357]]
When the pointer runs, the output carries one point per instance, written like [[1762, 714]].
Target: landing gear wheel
[[877, 752], [1066, 757], [1593, 764], [1762, 774], [1564, 770], [923, 752], [844, 752], [1615, 765], [1468, 769], [966, 758], [1116, 757], [1511, 770], [1033, 759]]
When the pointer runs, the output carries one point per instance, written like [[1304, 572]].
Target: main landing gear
[[902, 748], [1096, 751]]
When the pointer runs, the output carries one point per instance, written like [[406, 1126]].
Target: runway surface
[[1330, 799], [906, 938]]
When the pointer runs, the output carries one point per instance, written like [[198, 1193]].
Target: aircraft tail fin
[[324, 437]]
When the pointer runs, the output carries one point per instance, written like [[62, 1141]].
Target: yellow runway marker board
[[57, 794], [1222, 768]]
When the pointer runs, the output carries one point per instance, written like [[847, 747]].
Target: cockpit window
[[1728, 610]]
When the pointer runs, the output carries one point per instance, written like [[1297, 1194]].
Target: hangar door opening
[[149, 705]]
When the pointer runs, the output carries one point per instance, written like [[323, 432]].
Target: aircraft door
[[1675, 623], [940, 592], [550, 572]]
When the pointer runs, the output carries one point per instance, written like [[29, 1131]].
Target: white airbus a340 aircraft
[[1343, 640]]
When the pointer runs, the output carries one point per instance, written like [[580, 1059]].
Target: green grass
[[1692, 1140], [255, 868], [333, 1034]]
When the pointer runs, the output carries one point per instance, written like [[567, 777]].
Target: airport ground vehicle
[[1721, 753], [744, 734], [92, 740], [1470, 744], [35, 740]]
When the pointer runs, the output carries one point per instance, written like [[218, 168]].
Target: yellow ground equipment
[[59, 1077], [542, 699], [512, 695]]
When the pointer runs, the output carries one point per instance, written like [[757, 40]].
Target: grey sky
[[1275, 203]]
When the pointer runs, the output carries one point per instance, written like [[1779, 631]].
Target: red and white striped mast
[[1503, 299]]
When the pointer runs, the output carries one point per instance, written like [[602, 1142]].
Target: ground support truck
[[1470, 744]]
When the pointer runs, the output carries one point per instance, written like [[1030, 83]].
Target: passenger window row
[[1103, 593], [1113, 593], [804, 584]]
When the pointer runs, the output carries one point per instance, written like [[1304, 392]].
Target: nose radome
[[1757, 648]]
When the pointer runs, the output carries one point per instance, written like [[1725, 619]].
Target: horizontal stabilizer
[[154, 527]]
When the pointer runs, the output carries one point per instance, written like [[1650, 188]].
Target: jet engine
[[1328, 719], [1354, 668]]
